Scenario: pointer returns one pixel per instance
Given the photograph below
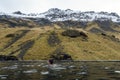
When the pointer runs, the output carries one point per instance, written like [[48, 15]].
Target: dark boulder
[[74, 34], [103, 34], [59, 54], [8, 58], [10, 35]]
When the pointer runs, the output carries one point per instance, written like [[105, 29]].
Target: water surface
[[63, 70]]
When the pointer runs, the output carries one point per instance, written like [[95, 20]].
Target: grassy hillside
[[32, 44]]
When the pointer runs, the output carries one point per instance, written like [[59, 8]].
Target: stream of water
[[63, 70]]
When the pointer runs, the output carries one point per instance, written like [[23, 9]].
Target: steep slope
[[29, 47], [16, 22]]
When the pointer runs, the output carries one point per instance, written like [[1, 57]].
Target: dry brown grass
[[96, 48]]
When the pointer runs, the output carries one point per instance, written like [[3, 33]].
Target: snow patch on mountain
[[55, 14]]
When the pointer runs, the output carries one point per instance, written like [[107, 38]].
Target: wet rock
[[103, 79], [75, 79], [116, 78], [58, 68], [3, 77], [107, 68], [45, 73], [83, 73], [117, 72], [30, 71], [111, 72], [8, 58], [71, 67], [10, 67], [27, 65]]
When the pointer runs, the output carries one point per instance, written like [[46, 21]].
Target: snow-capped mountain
[[55, 14]]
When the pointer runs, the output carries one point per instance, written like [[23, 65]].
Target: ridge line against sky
[[39, 6]]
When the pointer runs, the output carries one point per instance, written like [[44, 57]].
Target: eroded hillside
[[41, 43]]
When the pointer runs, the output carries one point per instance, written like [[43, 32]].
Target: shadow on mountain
[[106, 25], [96, 30], [24, 48], [15, 22], [41, 21], [70, 23], [15, 37], [53, 39]]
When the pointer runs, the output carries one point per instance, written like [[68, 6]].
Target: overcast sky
[[38, 6]]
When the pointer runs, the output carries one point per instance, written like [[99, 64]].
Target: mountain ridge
[[55, 14]]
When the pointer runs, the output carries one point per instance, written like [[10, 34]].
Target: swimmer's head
[[51, 61]]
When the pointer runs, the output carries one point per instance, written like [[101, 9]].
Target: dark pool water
[[63, 70]]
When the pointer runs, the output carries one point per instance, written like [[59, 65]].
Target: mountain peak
[[55, 14], [54, 10], [2, 13], [68, 10], [18, 12]]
